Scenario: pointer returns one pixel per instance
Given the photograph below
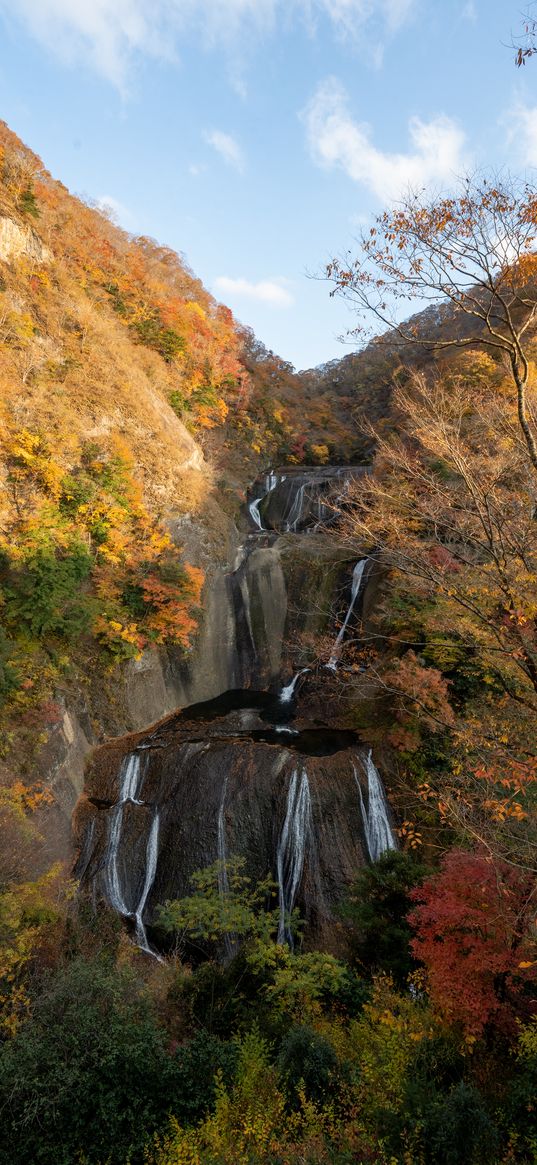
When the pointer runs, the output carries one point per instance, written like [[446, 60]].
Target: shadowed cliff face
[[236, 775], [227, 783]]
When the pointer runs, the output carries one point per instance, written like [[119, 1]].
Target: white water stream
[[151, 859], [129, 776], [129, 784], [271, 481], [287, 693], [378, 831], [357, 576], [297, 833], [295, 513]]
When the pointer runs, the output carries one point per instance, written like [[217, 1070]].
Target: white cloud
[[521, 125], [227, 147], [108, 34], [101, 33], [336, 140], [115, 210], [269, 291]]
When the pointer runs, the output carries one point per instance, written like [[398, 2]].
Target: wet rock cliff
[[241, 769]]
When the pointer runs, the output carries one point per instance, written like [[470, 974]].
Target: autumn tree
[[449, 512], [450, 507], [475, 933], [474, 251]]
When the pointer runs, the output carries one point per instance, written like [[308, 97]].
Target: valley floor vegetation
[[420, 1046]]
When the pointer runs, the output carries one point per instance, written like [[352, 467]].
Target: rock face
[[297, 803], [235, 774], [293, 499], [16, 240], [242, 634]]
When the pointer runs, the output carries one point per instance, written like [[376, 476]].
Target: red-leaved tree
[[475, 934]]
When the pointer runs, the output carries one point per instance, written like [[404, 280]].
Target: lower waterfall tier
[[203, 786]]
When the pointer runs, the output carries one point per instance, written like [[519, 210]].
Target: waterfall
[[253, 510], [357, 576], [294, 838], [151, 858], [295, 512], [129, 781], [378, 831], [223, 880], [271, 481], [287, 693]]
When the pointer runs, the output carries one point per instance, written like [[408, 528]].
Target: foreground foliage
[[271, 1055]]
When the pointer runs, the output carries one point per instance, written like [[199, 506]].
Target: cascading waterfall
[[151, 859], [287, 693], [253, 510], [295, 836], [378, 831], [129, 783], [128, 852], [357, 576], [271, 481], [295, 512]]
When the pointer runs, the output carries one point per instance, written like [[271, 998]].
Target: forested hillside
[[128, 392]]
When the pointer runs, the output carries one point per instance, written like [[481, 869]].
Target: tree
[[225, 908], [450, 507], [474, 924], [448, 511], [527, 43], [475, 251], [88, 1074], [377, 907]]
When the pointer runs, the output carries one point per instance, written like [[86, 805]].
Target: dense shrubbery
[[269, 1057]]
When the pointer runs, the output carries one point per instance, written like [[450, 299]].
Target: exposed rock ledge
[[18, 240]]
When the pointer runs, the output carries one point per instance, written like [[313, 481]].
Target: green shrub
[[459, 1130], [153, 334], [27, 202], [43, 591], [87, 1074], [307, 1060], [196, 1066], [377, 907]]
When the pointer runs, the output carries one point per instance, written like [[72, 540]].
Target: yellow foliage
[[384, 1040], [320, 453], [250, 1123], [26, 911]]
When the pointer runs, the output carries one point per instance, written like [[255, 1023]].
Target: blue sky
[[258, 136]]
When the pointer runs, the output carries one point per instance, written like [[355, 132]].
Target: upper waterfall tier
[[297, 498]]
